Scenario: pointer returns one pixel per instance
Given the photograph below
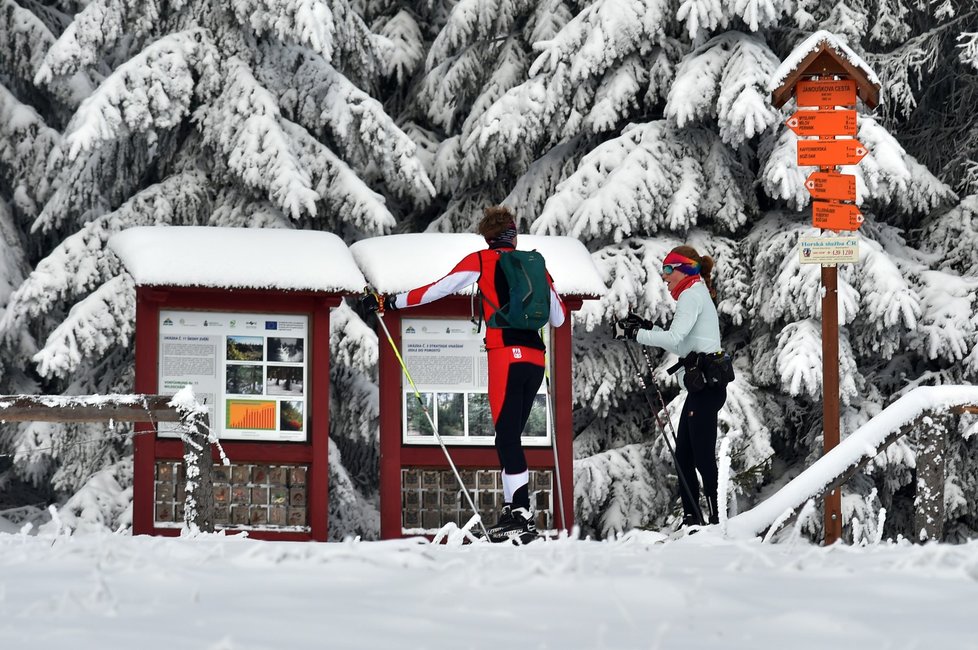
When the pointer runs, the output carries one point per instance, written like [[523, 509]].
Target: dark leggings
[[696, 444], [522, 381]]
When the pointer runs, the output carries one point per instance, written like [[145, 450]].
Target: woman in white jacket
[[695, 329]]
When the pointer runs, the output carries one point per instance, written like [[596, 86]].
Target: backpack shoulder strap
[[478, 293], [494, 306]]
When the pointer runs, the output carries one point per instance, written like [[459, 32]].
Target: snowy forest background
[[632, 125]]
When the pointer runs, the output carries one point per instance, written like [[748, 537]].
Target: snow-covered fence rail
[[182, 408], [832, 470]]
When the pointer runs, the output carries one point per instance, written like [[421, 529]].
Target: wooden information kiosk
[[443, 350], [242, 315]]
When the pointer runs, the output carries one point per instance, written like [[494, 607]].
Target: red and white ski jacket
[[481, 267]]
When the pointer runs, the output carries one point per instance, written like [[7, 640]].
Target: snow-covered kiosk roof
[[824, 53], [396, 263], [238, 258]]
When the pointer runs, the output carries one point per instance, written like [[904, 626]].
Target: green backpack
[[528, 307]]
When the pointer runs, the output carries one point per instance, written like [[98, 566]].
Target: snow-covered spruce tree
[[254, 113], [642, 184], [475, 52], [640, 125]]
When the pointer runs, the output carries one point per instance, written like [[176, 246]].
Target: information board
[[447, 360], [250, 370]]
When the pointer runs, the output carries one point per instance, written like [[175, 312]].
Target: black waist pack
[[705, 370]]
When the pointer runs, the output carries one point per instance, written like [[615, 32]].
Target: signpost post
[[827, 80]]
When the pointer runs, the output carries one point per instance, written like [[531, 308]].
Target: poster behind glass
[[447, 360], [250, 370]]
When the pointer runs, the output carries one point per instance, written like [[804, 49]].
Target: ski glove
[[372, 301], [642, 323], [627, 328]]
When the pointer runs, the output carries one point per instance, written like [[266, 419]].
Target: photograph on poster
[[480, 415], [290, 418], [451, 414], [285, 350], [284, 380], [244, 380], [536, 425], [417, 421], [245, 348]]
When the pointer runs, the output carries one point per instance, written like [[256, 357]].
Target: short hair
[[495, 220]]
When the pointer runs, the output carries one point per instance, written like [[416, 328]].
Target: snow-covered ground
[[641, 591]]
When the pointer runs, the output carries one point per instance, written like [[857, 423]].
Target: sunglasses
[[667, 269]]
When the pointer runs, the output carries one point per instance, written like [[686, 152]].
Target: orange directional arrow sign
[[828, 153], [826, 92], [827, 185], [826, 122], [836, 216]]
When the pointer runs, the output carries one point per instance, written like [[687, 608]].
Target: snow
[[247, 258], [214, 592], [185, 401], [809, 45], [863, 441], [398, 263]]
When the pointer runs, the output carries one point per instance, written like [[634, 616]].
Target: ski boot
[[515, 525]]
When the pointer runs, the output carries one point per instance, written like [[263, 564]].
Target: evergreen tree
[[639, 126], [633, 125], [255, 113]]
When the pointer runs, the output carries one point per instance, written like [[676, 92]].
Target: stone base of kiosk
[[430, 498]]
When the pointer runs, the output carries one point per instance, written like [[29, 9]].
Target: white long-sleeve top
[[694, 328]]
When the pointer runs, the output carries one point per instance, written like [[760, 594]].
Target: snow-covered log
[[862, 445]]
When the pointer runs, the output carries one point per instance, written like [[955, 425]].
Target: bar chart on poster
[[249, 369]]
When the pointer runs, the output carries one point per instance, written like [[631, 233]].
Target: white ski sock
[[513, 482]]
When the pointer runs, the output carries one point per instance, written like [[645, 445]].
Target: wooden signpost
[[827, 80]]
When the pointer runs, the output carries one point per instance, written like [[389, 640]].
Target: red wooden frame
[[313, 452], [394, 454]]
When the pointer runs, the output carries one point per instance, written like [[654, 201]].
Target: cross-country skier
[[695, 328], [516, 360]]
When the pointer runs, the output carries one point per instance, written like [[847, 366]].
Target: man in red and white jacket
[[516, 360]]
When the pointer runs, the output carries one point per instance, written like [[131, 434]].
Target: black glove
[[627, 328], [373, 301], [641, 323]]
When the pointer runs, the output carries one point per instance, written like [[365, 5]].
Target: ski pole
[[665, 434], [553, 440], [417, 394]]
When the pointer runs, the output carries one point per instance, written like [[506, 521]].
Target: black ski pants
[[522, 381], [696, 445]]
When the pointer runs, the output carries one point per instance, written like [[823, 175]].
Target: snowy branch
[[102, 320], [150, 91], [244, 123], [357, 122]]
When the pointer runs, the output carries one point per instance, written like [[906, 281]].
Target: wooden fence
[[153, 409]]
